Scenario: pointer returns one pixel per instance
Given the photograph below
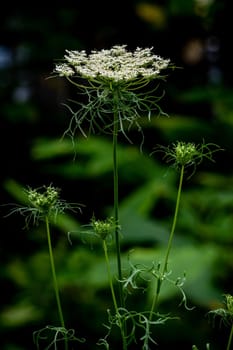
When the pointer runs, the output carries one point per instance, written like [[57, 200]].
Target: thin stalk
[[230, 338], [116, 205], [169, 245], [116, 218], [55, 284], [121, 324], [110, 275], [174, 220]]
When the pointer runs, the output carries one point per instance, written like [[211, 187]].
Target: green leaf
[[195, 261], [19, 314]]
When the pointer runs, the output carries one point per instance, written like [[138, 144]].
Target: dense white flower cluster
[[116, 64]]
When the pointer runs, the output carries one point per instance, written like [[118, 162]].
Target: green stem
[[230, 338], [174, 220], [121, 325], [109, 275], [116, 205], [55, 284], [116, 218], [169, 245]]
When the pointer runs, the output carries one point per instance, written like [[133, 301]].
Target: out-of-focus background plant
[[196, 36]]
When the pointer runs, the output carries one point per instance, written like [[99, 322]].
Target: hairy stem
[[169, 245], [55, 284]]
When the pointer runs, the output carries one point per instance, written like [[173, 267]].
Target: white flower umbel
[[113, 65], [113, 81]]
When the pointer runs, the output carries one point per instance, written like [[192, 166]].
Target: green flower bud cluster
[[225, 313], [229, 304], [103, 228], [184, 152], [45, 200]]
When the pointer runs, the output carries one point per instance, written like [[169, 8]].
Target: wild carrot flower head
[[116, 65], [43, 202], [225, 314], [112, 81], [229, 304], [103, 228], [186, 154]]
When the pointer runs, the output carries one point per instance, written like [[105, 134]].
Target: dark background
[[196, 36]]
